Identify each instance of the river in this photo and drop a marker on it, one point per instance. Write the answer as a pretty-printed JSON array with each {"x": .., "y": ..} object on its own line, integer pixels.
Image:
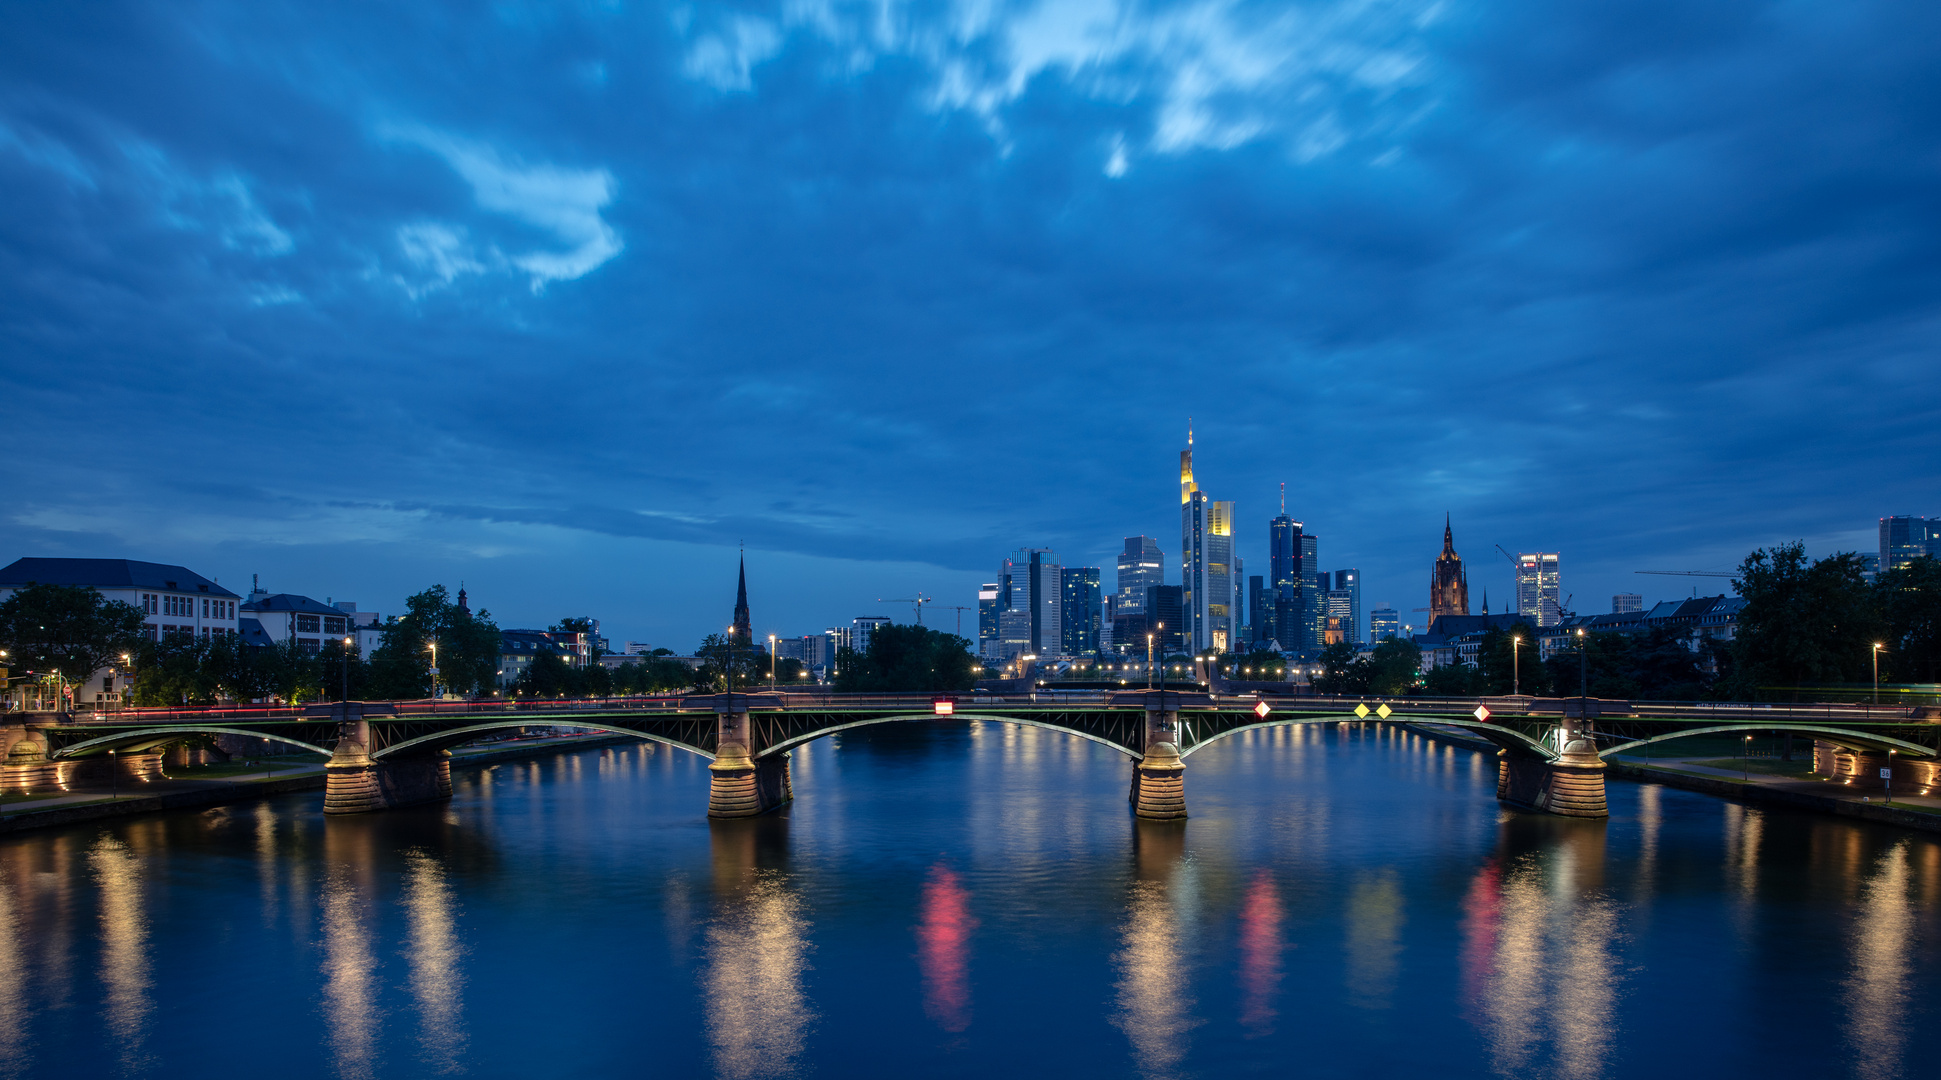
[{"x": 962, "y": 899}]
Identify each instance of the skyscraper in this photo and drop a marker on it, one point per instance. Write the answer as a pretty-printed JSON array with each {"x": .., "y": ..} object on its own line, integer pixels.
[
  {"x": 1206, "y": 562},
  {"x": 1079, "y": 615},
  {"x": 1626, "y": 602},
  {"x": 1904, "y": 539},
  {"x": 1313, "y": 599},
  {"x": 1448, "y": 585},
  {"x": 1536, "y": 587},
  {"x": 861, "y": 627},
  {"x": 1028, "y": 581},
  {"x": 987, "y": 612},
  {"x": 1141, "y": 566},
  {"x": 1260, "y": 606},
  {"x": 1165, "y": 614},
  {"x": 1384, "y": 623},
  {"x": 1348, "y": 582}
]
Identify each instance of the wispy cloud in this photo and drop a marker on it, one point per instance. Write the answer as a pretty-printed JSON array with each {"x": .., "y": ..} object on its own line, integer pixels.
[{"x": 565, "y": 202}]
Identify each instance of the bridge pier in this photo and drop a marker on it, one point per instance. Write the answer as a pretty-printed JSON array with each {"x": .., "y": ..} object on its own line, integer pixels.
[
  {"x": 740, "y": 784},
  {"x": 1570, "y": 786},
  {"x": 355, "y": 784},
  {"x": 1159, "y": 777}
]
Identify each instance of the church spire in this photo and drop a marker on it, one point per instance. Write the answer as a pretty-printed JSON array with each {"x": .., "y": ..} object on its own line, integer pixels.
[{"x": 743, "y": 631}]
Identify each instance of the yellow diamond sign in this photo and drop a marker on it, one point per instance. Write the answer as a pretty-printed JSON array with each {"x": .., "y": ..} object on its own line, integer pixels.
[
  {"x": 1361, "y": 711},
  {"x": 1384, "y": 711}
]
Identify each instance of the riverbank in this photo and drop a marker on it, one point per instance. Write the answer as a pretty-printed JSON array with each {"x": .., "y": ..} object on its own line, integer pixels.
[{"x": 75, "y": 807}]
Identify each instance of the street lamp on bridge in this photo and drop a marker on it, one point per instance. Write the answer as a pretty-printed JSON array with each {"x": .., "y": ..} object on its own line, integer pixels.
[{"x": 1877, "y": 647}]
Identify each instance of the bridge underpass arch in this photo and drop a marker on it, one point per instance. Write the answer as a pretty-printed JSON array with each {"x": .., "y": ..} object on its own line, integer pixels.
[
  {"x": 445, "y": 740},
  {"x": 793, "y": 741},
  {"x": 149, "y": 738},
  {"x": 1505, "y": 738},
  {"x": 1845, "y": 738}
]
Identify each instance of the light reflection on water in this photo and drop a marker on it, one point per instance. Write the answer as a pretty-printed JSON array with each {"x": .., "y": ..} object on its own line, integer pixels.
[{"x": 975, "y": 896}]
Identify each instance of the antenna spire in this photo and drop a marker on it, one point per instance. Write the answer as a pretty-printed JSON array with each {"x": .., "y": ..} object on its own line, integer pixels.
[{"x": 1283, "y": 498}]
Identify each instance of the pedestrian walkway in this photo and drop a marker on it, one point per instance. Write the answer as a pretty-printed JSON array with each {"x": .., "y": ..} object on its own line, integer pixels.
[
  {"x": 148, "y": 789},
  {"x": 1872, "y": 792}
]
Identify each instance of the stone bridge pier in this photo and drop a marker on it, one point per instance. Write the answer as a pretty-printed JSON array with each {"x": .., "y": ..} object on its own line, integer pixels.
[
  {"x": 1572, "y": 785},
  {"x": 356, "y": 784},
  {"x": 1159, "y": 778},
  {"x": 740, "y": 784}
]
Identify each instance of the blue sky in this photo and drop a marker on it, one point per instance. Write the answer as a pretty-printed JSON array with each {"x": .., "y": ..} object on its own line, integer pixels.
[{"x": 563, "y": 301}]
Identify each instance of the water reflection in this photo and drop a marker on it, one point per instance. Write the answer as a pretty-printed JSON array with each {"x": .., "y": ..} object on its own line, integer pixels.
[
  {"x": 350, "y": 965},
  {"x": 758, "y": 1016},
  {"x": 1877, "y": 991},
  {"x": 1155, "y": 1010},
  {"x": 434, "y": 953},
  {"x": 14, "y": 1006},
  {"x": 1260, "y": 955},
  {"x": 943, "y": 950},
  {"x": 1374, "y": 921},
  {"x": 124, "y": 949},
  {"x": 1539, "y": 963}
]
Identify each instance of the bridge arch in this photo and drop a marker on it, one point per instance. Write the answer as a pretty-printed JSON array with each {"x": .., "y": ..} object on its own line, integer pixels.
[
  {"x": 445, "y": 740},
  {"x": 1842, "y": 737},
  {"x": 794, "y": 741},
  {"x": 150, "y": 738},
  {"x": 1506, "y": 738}
]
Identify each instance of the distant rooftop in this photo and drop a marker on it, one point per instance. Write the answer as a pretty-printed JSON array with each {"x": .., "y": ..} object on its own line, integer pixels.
[{"x": 109, "y": 574}]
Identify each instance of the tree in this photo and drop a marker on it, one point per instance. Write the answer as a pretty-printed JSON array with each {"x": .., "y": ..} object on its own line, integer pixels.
[
  {"x": 1503, "y": 672},
  {"x": 1342, "y": 672},
  {"x": 70, "y": 630},
  {"x": 547, "y": 676},
  {"x": 1260, "y": 665},
  {"x": 1910, "y": 607},
  {"x": 1395, "y": 667},
  {"x": 469, "y": 647},
  {"x": 1804, "y": 624},
  {"x": 747, "y": 662},
  {"x": 907, "y": 658},
  {"x": 1453, "y": 680}
]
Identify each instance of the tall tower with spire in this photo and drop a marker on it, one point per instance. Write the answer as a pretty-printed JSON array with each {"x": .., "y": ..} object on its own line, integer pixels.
[
  {"x": 1448, "y": 585},
  {"x": 1206, "y": 562},
  {"x": 744, "y": 634}
]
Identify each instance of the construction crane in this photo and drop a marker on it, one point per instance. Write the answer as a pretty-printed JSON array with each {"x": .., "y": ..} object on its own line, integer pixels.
[
  {"x": 919, "y": 600},
  {"x": 960, "y": 609},
  {"x": 1690, "y": 573}
]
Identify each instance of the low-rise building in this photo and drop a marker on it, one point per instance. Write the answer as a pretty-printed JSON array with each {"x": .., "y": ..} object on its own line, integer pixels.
[{"x": 279, "y": 618}]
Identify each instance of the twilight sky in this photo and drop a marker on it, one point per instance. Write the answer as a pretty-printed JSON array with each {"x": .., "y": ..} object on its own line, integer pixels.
[{"x": 563, "y": 300}]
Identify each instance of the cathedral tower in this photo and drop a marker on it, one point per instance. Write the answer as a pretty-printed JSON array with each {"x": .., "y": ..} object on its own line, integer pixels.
[{"x": 1448, "y": 585}]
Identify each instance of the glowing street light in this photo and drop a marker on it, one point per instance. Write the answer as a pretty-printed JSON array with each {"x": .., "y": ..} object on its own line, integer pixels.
[{"x": 1877, "y": 647}]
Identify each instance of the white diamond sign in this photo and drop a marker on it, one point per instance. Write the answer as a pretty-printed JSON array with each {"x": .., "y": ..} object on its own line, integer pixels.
[
  {"x": 1261, "y": 710},
  {"x": 1482, "y": 713},
  {"x": 1361, "y": 711}
]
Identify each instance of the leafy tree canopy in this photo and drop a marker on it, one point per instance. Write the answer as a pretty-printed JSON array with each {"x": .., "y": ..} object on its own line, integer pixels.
[
  {"x": 71, "y": 630},
  {"x": 907, "y": 659},
  {"x": 468, "y": 648}
]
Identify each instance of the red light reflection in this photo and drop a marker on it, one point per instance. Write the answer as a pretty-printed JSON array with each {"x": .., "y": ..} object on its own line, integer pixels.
[
  {"x": 943, "y": 950},
  {"x": 1260, "y": 955}
]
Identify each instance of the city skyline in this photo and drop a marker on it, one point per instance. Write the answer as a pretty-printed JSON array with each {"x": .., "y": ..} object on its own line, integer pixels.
[{"x": 570, "y": 311}]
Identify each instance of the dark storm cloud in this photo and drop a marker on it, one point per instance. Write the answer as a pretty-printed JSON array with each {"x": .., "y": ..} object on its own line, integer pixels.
[{"x": 1648, "y": 283}]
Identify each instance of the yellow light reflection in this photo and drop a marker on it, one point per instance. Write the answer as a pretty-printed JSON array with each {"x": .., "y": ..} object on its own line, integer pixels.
[
  {"x": 1154, "y": 1010},
  {"x": 1374, "y": 939},
  {"x": 124, "y": 948},
  {"x": 758, "y": 1016},
  {"x": 1877, "y": 991},
  {"x": 350, "y": 990},
  {"x": 434, "y": 953}
]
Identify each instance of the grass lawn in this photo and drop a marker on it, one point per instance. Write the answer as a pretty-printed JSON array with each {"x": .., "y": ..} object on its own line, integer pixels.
[
  {"x": 1801, "y": 767},
  {"x": 233, "y": 769}
]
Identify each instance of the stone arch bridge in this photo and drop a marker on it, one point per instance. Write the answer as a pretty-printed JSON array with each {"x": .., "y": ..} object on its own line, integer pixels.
[{"x": 1549, "y": 755}]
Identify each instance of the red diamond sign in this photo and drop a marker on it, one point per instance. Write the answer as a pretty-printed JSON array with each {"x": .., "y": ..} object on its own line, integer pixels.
[
  {"x": 1261, "y": 710},
  {"x": 1482, "y": 713}
]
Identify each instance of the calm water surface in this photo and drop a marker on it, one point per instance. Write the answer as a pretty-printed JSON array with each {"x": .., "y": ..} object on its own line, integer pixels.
[{"x": 959, "y": 899}]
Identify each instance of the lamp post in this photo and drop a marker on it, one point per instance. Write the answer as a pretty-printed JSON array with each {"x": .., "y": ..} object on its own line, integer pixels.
[
  {"x": 1516, "y": 678},
  {"x": 1877, "y": 647},
  {"x": 1149, "y": 661},
  {"x": 346, "y": 696},
  {"x": 114, "y": 778},
  {"x": 771, "y": 661},
  {"x": 1745, "y": 754},
  {"x": 1889, "y": 778},
  {"x": 434, "y": 667}
]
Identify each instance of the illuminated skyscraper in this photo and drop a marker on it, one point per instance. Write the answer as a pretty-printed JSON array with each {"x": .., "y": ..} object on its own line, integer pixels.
[
  {"x": 1348, "y": 583},
  {"x": 987, "y": 612},
  {"x": 1029, "y": 581},
  {"x": 1384, "y": 623},
  {"x": 1206, "y": 562},
  {"x": 1625, "y": 602},
  {"x": 1536, "y": 587},
  {"x": 1079, "y": 619},
  {"x": 1904, "y": 539},
  {"x": 1141, "y": 566}
]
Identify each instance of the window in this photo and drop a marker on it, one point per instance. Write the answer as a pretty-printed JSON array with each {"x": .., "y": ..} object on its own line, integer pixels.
[
  {"x": 306, "y": 624},
  {"x": 205, "y": 608},
  {"x": 333, "y": 626},
  {"x": 310, "y": 645}
]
